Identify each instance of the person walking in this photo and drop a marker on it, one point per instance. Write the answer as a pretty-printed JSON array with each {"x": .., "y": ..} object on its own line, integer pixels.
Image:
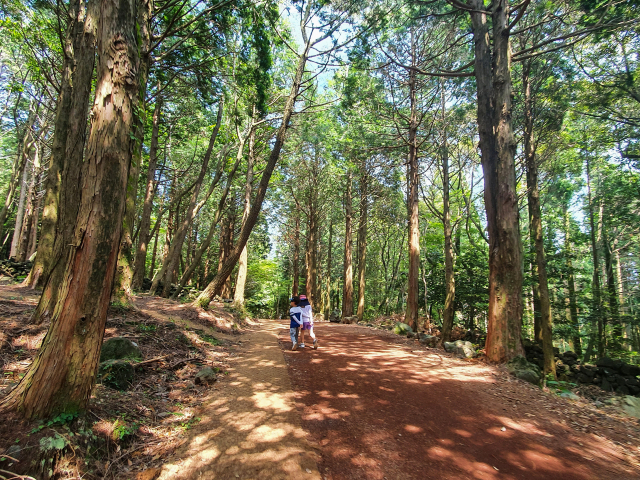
[
  {"x": 295, "y": 314},
  {"x": 307, "y": 321}
]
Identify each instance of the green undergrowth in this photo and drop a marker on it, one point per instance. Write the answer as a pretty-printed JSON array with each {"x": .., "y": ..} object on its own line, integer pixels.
[
  {"x": 560, "y": 387},
  {"x": 61, "y": 419},
  {"x": 208, "y": 338}
]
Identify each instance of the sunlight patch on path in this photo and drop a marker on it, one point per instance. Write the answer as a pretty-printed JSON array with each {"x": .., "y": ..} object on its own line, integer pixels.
[{"x": 250, "y": 429}]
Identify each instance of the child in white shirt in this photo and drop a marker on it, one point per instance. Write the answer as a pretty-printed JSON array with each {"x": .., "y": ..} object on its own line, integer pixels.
[{"x": 307, "y": 321}]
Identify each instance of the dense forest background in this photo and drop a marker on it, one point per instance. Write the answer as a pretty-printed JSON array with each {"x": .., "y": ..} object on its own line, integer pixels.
[{"x": 334, "y": 148}]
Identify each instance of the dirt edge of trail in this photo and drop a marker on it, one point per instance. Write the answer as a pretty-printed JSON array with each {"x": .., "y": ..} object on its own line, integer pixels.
[{"x": 250, "y": 428}]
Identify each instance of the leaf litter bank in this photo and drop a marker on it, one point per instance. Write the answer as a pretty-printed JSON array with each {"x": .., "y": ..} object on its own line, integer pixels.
[{"x": 124, "y": 433}]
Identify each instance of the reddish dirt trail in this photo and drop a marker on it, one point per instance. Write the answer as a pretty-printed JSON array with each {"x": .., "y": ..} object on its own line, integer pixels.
[{"x": 378, "y": 408}]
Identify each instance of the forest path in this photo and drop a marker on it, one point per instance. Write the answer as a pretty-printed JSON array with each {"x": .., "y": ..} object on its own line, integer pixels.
[
  {"x": 381, "y": 407},
  {"x": 250, "y": 429}
]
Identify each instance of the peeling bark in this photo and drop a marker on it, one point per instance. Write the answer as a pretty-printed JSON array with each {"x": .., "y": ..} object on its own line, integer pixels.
[
  {"x": 63, "y": 373},
  {"x": 122, "y": 291},
  {"x": 497, "y": 146},
  {"x": 62, "y": 186}
]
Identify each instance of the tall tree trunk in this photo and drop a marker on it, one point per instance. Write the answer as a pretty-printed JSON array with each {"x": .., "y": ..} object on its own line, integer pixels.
[
  {"x": 306, "y": 264},
  {"x": 612, "y": 301},
  {"x": 319, "y": 295},
  {"x": 225, "y": 291},
  {"x": 571, "y": 284},
  {"x": 534, "y": 306},
  {"x": 25, "y": 231},
  {"x": 535, "y": 228},
  {"x": 37, "y": 199},
  {"x": 19, "y": 167},
  {"x": 226, "y": 244},
  {"x": 205, "y": 297},
  {"x": 327, "y": 310},
  {"x": 62, "y": 186},
  {"x": 155, "y": 250},
  {"x": 493, "y": 82},
  {"x": 312, "y": 251},
  {"x": 450, "y": 282},
  {"x": 295, "y": 287},
  {"x": 411, "y": 315},
  {"x": 25, "y": 191},
  {"x": 449, "y": 279},
  {"x": 204, "y": 272},
  {"x": 29, "y": 228},
  {"x": 362, "y": 241},
  {"x": 193, "y": 232},
  {"x": 596, "y": 337},
  {"x": 619, "y": 282},
  {"x": 347, "y": 288},
  {"x": 70, "y": 187},
  {"x": 150, "y": 190},
  {"x": 222, "y": 248},
  {"x": 31, "y": 209},
  {"x": 74, "y": 39},
  {"x": 238, "y": 295},
  {"x": 314, "y": 284},
  {"x": 529, "y": 147},
  {"x": 174, "y": 205},
  {"x": 63, "y": 373},
  {"x": 425, "y": 297},
  {"x": 625, "y": 326},
  {"x": 175, "y": 249},
  {"x": 122, "y": 291}
]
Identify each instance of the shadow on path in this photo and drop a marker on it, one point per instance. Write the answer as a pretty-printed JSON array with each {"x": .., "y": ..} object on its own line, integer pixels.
[{"x": 379, "y": 410}]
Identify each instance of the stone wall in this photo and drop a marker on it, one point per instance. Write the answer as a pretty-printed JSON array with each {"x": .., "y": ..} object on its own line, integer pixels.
[{"x": 610, "y": 375}]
